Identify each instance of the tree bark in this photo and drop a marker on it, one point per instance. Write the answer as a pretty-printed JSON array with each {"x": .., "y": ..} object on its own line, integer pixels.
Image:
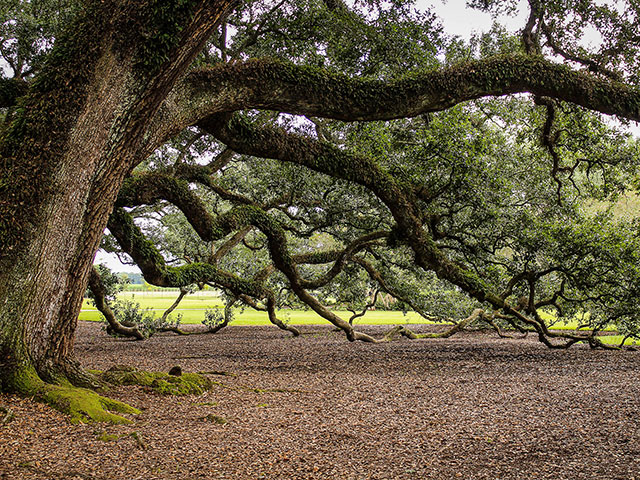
[{"x": 63, "y": 162}]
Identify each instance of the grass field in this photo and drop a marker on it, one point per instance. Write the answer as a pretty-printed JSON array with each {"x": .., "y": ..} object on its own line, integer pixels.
[{"x": 193, "y": 306}]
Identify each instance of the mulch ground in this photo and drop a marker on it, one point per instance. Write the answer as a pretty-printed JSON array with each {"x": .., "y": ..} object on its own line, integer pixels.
[{"x": 318, "y": 407}]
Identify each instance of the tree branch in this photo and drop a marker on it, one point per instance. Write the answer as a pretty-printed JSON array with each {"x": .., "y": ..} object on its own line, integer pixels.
[
  {"x": 97, "y": 288},
  {"x": 276, "y": 85}
]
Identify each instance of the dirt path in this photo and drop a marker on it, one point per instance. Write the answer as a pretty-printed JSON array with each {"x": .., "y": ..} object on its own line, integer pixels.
[{"x": 318, "y": 407}]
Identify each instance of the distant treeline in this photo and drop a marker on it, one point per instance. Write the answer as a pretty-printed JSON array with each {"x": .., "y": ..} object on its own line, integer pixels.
[{"x": 133, "y": 278}]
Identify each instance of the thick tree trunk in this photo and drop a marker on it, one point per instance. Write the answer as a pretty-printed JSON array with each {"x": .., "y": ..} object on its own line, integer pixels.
[
  {"x": 44, "y": 278},
  {"x": 62, "y": 165}
]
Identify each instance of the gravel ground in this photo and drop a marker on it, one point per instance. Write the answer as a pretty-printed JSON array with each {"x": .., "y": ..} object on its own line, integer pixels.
[{"x": 318, "y": 407}]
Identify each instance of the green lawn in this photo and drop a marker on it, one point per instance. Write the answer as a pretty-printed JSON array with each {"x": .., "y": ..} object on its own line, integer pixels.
[{"x": 192, "y": 308}]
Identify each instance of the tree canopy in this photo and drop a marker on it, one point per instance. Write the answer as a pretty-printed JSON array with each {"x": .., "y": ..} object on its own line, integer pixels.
[
  {"x": 313, "y": 152},
  {"x": 421, "y": 183}
]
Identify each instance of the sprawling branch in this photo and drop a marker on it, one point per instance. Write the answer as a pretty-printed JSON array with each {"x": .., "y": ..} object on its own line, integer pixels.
[
  {"x": 157, "y": 272},
  {"x": 326, "y": 158},
  {"x": 98, "y": 290},
  {"x": 400, "y": 199},
  {"x": 458, "y": 327},
  {"x": 275, "y": 85}
]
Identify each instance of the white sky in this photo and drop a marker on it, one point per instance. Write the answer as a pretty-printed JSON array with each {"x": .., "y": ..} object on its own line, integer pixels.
[{"x": 460, "y": 20}]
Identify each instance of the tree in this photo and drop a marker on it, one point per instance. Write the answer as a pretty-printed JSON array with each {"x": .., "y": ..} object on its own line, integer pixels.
[{"x": 104, "y": 85}]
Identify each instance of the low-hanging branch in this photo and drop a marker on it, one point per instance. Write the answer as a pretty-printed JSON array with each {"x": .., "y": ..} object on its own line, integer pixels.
[
  {"x": 275, "y": 143},
  {"x": 209, "y": 228},
  {"x": 477, "y": 314},
  {"x": 99, "y": 296},
  {"x": 157, "y": 272}
]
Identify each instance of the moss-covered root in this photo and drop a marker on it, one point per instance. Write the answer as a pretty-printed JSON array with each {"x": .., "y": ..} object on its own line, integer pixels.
[
  {"x": 81, "y": 404},
  {"x": 86, "y": 406},
  {"x": 159, "y": 382}
]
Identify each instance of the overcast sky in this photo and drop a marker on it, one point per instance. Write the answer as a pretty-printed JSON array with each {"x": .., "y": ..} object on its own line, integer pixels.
[{"x": 460, "y": 20}]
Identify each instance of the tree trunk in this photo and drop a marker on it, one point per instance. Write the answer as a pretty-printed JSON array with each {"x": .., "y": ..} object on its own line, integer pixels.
[{"x": 63, "y": 161}]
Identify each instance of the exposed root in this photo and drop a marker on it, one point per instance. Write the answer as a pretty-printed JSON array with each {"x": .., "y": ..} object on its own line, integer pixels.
[
  {"x": 158, "y": 382},
  {"x": 406, "y": 332},
  {"x": 86, "y": 405},
  {"x": 81, "y": 404}
]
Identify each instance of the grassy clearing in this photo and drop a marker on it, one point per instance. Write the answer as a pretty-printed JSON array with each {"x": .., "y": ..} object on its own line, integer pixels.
[{"x": 193, "y": 306}]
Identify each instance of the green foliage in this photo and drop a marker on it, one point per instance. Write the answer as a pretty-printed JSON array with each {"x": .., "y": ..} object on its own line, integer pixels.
[
  {"x": 215, "y": 318},
  {"x": 27, "y": 32},
  {"x": 113, "y": 284},
  {"x": 130, "y": 314},
  {"x": 376, "y": 41},
  {"x": 501, "y": 190}
]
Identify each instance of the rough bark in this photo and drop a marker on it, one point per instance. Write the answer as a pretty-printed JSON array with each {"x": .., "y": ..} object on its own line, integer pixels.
[{"x": 63, "y": 160}]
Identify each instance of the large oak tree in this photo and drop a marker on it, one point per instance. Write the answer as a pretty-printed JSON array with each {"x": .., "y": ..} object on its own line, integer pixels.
[{"x": 93, "y": 94}]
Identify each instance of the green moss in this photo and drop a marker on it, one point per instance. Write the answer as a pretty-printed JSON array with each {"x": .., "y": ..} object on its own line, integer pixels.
[
  {"x": 25, "y": 381},
  {"x": 81, "y": 404},
  {"x": 85, "y": 405},
  {"x": 185, "y": 384},
  {"x": 106, "y": 437},
  {"x": 159, "y": 382},
  {"x": 217, "y": 419}
]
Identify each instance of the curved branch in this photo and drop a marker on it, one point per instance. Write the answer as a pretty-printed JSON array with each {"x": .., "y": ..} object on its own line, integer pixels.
[
  {"x": 97, "y": 288},
  {"x": 340, "y": 261},
  {"x": 365, "y": 309},
  {"x": 243, "y": 137},
  {"x": 458, "y": 327},
  {"x": 377, "y": 277},
  {"x": 276, "y": 85},
  {"x": 174, "y": 305}
]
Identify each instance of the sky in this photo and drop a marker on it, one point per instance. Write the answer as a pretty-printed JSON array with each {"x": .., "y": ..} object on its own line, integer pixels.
[{"x": 460, "y": 20}]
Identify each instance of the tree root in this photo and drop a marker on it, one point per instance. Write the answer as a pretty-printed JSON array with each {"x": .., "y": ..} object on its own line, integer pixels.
[
  {"x": 86, "y": 406},
  {"x": 158, "y": 382},
  {"x": 458, "y": 327},
  {"x": 81, "y": 404}
]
